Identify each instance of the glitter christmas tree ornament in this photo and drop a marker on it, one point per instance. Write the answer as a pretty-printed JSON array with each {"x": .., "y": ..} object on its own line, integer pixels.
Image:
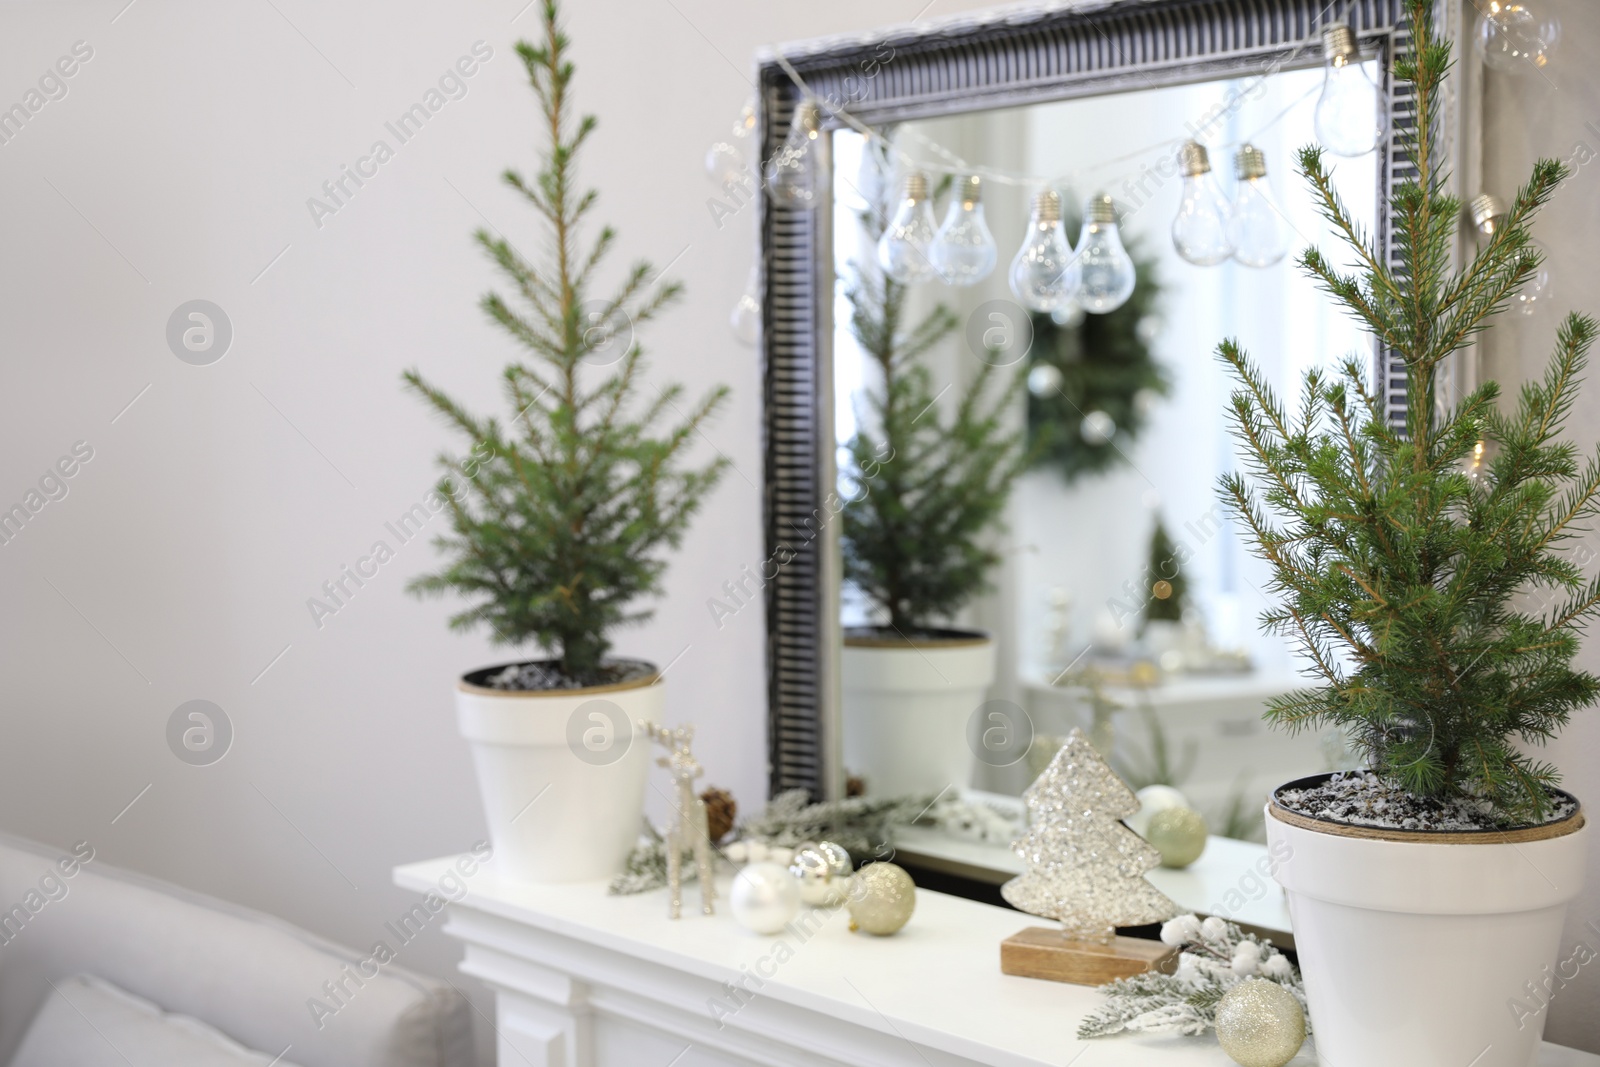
[{"x": 1086, "y": 869}]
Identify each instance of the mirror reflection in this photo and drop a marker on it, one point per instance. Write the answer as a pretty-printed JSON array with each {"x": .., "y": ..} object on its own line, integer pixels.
[{"x": 1027, "y": 412}]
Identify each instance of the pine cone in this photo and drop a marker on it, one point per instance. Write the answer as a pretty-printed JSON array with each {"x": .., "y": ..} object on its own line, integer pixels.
[
  {"x": 855, "y": 786},
  {"x": 720, "y": 812}
]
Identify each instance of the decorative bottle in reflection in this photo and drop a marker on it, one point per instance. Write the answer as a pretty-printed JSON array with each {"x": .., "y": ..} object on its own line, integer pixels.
[
  {"x": 904, "y": 247},
  {"x": 1255, "y": 227},
  {"x": 1350, "y": 119},
  {"x": 1106, "y": 274},
  {"x": 963, "y": 251},
  {"x": 1200, "y": 231},
  {"x": 1044, "y": 273}
]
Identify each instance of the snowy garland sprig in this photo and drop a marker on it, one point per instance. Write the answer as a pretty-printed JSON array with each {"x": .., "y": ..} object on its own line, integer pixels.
[
  {"x": 863, "y": 826},
  {"x": 1215, "y": 956}
]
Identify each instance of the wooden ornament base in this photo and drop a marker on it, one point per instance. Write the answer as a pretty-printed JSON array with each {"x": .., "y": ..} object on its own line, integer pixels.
[{"x": 1040, "y": 952}]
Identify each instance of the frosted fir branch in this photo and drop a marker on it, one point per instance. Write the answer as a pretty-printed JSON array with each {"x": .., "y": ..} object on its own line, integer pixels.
[
  {"x": 1215, "y": 956},
  {"x": 861, "y": 825}
]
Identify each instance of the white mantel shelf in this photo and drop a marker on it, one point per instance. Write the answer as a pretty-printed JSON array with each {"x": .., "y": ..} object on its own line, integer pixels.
[{"x": 583, "y": 979}]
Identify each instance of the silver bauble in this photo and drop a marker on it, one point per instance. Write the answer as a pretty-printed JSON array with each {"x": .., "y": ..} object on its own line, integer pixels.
[
  {"x": 823, "y": 871},
  {"x": 1044, "y": 379},
  {"x": 1260, "y": 1024},
  {"x": 882, "y": 898},
  {"x": 764, "y": 897},
  {"x": 1097, "y": 428}
]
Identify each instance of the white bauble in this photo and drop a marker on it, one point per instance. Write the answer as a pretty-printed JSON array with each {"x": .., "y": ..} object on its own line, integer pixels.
[
  {"x": 764, "y": 897},
  {"x": 1154, "y": 798}
]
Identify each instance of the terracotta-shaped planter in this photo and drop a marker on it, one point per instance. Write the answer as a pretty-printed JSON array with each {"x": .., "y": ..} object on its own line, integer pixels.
[{"x": 1426, "y": 949}]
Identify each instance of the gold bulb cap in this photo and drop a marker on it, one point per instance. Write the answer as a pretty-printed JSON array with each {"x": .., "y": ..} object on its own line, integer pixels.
[
  {"x": 1101, "y": 210},
  {"x": 970, "y": 189},
  {"x": 1487, "y": 212},
  {"x": 1249, "y": 163},
  {"x": 916, "y": 186},
  {"x": 1339, "y": 43},
  {"x": 1193, "y": 159},
  {"x": 1047, "y": 207}
]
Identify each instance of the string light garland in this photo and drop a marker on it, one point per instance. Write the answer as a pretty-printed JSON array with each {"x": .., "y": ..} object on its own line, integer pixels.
[{"x": 1049, "y": 274}]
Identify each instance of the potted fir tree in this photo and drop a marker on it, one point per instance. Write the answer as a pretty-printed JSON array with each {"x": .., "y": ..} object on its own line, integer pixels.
[
  {"x": 924, "y": 488},
  {"x": 558, "y": 517},
  {"x": 1418, "y": 569}
]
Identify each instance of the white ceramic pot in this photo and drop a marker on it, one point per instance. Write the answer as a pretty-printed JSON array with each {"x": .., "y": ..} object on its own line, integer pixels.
[
  {"x": 1427, "y": 950},
  {"x": 561, "y": 773},
  {"x": 906, "y": 711}
]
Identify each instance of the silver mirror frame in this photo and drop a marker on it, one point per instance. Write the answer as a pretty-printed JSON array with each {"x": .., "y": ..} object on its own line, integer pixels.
[{"x": 1006, "y": 58}]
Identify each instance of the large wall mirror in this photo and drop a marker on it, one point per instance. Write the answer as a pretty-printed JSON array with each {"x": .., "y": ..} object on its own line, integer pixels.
[{"x": 914, "y": 394}]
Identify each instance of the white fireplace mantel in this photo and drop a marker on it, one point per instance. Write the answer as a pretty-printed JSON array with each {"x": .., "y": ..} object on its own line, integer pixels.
[{"x": 583, "y": 979}]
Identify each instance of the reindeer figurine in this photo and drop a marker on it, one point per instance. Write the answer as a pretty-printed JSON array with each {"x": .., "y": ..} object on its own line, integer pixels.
[{"x": 689, "y": 826}]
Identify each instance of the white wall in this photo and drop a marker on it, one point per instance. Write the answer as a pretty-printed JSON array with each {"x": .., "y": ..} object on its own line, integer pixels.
[
  {"x": 178, "y": 566},
  {"x": 1557, "y": 114}
]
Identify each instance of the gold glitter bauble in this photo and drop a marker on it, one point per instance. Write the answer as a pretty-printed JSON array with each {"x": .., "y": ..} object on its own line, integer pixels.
[
  {"x": 1260, "y": 1024},
  {"x": 881, "y": 899},
  {"x": 1178, "y": 834}
]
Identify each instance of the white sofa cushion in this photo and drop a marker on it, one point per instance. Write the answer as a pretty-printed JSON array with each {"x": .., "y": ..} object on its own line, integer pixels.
[
  {"x": 87, "y": 1022},
  {"x": 252, "y": 976}
]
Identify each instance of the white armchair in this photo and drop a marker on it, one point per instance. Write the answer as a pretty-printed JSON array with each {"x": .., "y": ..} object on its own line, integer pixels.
[{"x": 84, "y": 946}]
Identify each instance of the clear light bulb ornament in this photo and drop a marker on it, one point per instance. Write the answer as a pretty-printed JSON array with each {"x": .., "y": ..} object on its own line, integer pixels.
[
  {"x": 963, "y": 251},
  {"x": 1200, "y": 231},
  {"x": 1513, "y": 36},
  {"x": 746, "y": 317},
  {"x": 1044, "y": 274},
  {"x": 1488, "y": 215},
  {"x": 1349, "y": 120},
  {"x": 1106, "y": 274},
  {"x": 794, "y": 174},
  {"x": 1255, "y": 228},
  {"x": 903, "y": 248},
  {"x": 727, "y": 161}
]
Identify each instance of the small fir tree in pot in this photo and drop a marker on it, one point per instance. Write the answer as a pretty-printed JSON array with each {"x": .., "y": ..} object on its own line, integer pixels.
[
  {"x": 924, "y": 488},
  {"x": 1398, "y": 568},
  {"x": 558, "y": 521},
  {"x": 1439, "y": 617}
]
